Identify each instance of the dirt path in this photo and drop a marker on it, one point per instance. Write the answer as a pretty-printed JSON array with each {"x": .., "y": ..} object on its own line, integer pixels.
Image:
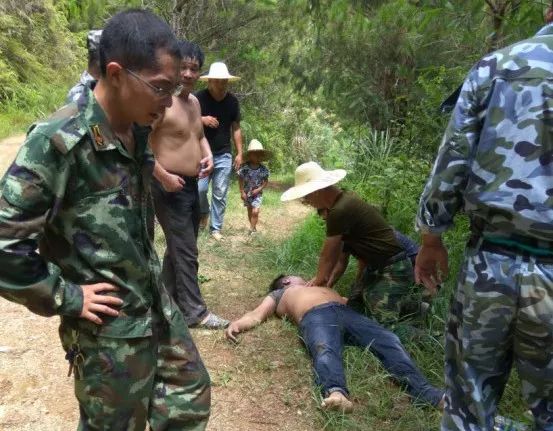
[
  {"x": 264, "y": 383},
  {"x": 8, "y": 149}
]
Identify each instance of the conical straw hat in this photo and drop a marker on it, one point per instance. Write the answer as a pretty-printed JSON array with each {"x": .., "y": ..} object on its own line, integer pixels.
[{"x": 310, "y": 177}]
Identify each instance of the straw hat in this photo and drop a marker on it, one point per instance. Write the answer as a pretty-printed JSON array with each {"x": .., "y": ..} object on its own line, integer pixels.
[
  {"x": 218, "y": 70},
  {"x": 257, "y": 147},
  {"x": 310, "y": 177}
]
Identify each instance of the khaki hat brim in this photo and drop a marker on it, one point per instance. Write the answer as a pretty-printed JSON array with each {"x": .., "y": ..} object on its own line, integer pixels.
[{"x": 297, "y": 192}]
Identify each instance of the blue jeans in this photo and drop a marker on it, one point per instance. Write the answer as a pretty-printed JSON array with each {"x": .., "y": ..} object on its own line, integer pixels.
[
  {"x": 325, "y": 330},
  {"x": 222, "y": 167}
]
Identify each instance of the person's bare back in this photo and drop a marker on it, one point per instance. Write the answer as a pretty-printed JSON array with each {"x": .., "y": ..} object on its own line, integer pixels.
[
  {"x": 299, "y": 299},
  {"x": 176, "y": 138}
]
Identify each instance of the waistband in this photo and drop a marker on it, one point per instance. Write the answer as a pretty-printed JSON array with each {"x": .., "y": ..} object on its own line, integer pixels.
[
  {"x": 186, "y": 178},
  {"x": 322, "y": 307}
]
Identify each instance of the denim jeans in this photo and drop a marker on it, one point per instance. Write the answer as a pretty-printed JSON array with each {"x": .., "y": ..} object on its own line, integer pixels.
[
  {"x": 325, "y": 330},
  {"x": 222, "y": 167}
]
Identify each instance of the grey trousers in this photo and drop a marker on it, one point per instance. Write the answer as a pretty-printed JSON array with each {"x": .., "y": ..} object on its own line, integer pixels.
[{"x": 179, "y": 215}]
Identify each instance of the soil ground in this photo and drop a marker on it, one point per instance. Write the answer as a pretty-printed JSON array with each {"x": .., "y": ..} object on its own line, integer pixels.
[{"x": 263, "y": 383}]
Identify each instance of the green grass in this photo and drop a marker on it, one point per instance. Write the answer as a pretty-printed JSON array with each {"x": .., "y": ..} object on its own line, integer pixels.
[{"x": 34, "y": 102}]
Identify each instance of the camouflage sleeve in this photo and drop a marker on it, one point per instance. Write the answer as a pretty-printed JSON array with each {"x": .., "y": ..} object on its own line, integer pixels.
[
  {"x": 74, "y": 93},
  {"x": 443, "y": 194},
  {"x": 31, "y": 192}
]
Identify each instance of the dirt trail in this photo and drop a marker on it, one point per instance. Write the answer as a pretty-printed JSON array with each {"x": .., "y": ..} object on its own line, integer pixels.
[
  {"x": 8, "y": 149},
  {"x": 262, "y": 384}
]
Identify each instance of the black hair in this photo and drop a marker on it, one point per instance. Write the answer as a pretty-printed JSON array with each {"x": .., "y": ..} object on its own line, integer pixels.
[
  {"x": 191, "y": 50},
  {"x": 133, "y": 37},
  {"x": 277, "y": 283}
]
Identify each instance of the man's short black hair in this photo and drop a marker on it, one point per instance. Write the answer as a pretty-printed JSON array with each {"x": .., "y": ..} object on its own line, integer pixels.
[
  {"x": 191, "y": 50},
  {"x": 277, "y": 283},
  {"x": 133, "y": 37}
]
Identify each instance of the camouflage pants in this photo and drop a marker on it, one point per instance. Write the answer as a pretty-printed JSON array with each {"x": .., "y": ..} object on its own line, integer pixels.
[
  {"x": 390, "y": 293},
  {"x": 502, "y": 313},
  {"x": 121, "y": 384}
]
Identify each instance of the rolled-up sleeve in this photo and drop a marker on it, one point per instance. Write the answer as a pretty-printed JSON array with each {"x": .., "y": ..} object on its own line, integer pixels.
[{"x": 31, "y": 191}]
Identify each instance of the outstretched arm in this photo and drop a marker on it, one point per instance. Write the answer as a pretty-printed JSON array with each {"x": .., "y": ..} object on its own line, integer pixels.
[
  {"x": 339, "y": 269},
  {"x": 443, "y": 195},
  {"x": 252, "y": 318},
  {"x": 330, "y": 254}
]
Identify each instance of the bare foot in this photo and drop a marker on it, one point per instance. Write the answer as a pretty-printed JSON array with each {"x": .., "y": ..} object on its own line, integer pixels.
[{"x": 337, "y": 401}]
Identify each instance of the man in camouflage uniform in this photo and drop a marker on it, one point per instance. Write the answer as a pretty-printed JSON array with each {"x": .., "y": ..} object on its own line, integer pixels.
[
  {"x": 80, "y": 190},
  {"x": 89, "y": 77},
  {"x": 495, "y": 164}
]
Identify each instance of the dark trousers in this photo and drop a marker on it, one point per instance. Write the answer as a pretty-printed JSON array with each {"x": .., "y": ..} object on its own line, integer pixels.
[
  {"x": 325, "y": 330},
  {"x": 179, "y": 216}
]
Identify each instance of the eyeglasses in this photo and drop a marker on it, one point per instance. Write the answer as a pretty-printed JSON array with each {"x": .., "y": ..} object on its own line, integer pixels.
[{"x": 158, "y": 91}]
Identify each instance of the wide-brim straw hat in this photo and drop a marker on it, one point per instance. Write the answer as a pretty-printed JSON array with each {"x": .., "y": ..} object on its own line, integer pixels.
[
  {"x": 257, "y": 147},
  {"x": 310, "y": 177},
  {"x": 218, "y": 70}
]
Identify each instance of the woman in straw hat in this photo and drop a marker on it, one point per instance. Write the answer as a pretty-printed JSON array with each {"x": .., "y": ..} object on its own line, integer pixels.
[{"x": 253, "y": 176}]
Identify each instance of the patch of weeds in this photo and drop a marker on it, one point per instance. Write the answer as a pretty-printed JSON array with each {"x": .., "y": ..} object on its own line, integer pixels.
[
  {"x": 203, "y": 278},
  {"x": 221, "y": 378}
]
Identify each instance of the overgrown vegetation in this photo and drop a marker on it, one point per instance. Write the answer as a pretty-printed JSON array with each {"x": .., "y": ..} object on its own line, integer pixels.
[{"x": 348, "y": 83}]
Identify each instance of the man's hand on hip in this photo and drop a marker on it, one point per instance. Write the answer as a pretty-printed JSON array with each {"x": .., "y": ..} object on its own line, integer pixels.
[
  {"x": 172, "y": 183},
  {"x": 95, "y": 302},
  {"x": 206, "y": 166}
]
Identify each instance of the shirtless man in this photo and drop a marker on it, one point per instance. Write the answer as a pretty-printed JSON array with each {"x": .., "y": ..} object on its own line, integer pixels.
[
  {"x": 182, "y": 155},
  {"x": 325, "y": 324}
]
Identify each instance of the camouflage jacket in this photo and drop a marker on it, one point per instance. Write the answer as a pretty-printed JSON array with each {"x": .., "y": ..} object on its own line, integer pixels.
[
  {"x": 76, "y": 193},
  {"x": 85, "y": 81},
  {"x": 495, "y": 160}
]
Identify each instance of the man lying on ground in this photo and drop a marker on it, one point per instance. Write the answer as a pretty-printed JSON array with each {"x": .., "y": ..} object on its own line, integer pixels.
[{"x": 326, "y": 324}]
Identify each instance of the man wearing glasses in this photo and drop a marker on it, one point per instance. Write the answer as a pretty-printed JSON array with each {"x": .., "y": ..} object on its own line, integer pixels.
[
  {"x": 182, "y": 156},
  {"x": 79, "y": 190}
]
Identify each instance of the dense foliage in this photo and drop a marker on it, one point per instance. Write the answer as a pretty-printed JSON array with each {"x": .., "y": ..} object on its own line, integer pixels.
[{"x": 348, "y": 83}]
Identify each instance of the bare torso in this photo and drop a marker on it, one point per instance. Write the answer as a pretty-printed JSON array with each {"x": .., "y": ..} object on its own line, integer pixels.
[
  {"x": 298, "y": 300},
  {"x": 175, "y": 140}
]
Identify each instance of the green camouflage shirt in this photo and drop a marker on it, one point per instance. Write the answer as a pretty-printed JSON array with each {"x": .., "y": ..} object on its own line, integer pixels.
[
  {"x": 495, "y": 160},
  {"x": 76, "y": 193}
]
